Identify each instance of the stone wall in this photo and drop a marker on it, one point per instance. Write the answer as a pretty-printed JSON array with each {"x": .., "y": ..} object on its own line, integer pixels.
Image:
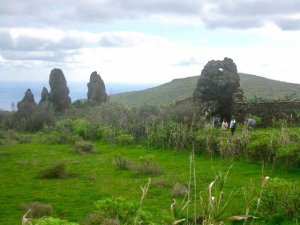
[{"x": 268, "y": 111}]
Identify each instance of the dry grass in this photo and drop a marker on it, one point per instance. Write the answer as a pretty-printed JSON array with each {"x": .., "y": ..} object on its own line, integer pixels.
[
  {"x": 179, "y": 190},
  {"x": 37, "y": 209}
]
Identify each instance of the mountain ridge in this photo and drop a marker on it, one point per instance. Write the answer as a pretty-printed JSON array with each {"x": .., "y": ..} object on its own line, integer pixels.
[{"x": 254, "y": 87}]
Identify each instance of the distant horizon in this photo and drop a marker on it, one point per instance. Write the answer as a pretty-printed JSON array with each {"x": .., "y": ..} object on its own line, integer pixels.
[{"x": 14, "y": 91}]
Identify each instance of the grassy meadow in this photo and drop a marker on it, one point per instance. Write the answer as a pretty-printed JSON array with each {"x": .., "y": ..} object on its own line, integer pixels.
[{"x": 95, "y": 176}]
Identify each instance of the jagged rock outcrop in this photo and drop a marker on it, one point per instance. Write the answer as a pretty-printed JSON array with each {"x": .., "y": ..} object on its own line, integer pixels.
[
  {"x": 218, "y": 86},
  {"x": 45, "y": 96},
  {"x": 27, "y": 105},
  {"x": 96, "y": 90},
  {"x": 59, "y": 93}
]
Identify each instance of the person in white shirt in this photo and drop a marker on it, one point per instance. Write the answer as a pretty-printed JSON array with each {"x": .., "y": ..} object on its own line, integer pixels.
[{"x": 232, "y": 125}]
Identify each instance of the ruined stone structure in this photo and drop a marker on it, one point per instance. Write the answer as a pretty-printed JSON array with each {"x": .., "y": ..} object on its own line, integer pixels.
[
  {"x": 268, "y": 111},
  {"x": 218, "y": 87}
]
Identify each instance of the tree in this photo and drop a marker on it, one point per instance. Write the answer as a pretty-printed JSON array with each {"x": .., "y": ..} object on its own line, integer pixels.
[
  {"x": 96, "y": 90},
  {"x": 218, "y": 86},
  {"x": 59, "y": 93}
]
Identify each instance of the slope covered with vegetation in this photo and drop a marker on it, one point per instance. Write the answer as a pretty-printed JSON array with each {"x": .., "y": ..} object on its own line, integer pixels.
[{"x": 253, "y": 86}]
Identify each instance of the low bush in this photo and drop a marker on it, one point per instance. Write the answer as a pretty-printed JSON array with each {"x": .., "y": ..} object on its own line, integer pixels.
[
  {"x": 83, "y": 147},
  {"x": 122, "y": 162},
  {"x": 92, "y": 219},
  {"x": 280, "y": 199},
  {"x": 58, "y": 170},
  {"x": 37, "y": 209},
  {"x": 147, "y": 166}
]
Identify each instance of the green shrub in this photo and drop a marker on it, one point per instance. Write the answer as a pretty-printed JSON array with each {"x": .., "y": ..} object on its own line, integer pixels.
[
  {"x": 280, "y": 199},
  {"x": 109, "y": 134},
  {"x": 65, "y": 126},
  {"x": 83, "y": 147},
  {"x": 37, "y": 209},
  {"x": 58, "y": 170},
  {"x": 288, "y": 155},
  {"x": 52, "y": 221},
  {"x": 125, "y": 139},
  {"x": 262, "y": 148},
  {"x": 124, "y": 210},
  {"x": 85, "y": 129},
  {"x": 207, "y": 140}
]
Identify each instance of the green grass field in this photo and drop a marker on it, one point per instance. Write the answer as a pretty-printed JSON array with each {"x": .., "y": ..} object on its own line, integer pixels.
[{"x": 95, "y": 177}]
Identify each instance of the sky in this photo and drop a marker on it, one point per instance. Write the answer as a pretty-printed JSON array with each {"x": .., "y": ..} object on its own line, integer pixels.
[{"x": 148, "y": 41}]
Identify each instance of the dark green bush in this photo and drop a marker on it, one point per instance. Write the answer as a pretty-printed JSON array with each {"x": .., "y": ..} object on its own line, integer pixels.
[
  {"x": 280, "y": 199},
  {"x": 58, "y": 170},
  {"x": 83, "y": 147}
]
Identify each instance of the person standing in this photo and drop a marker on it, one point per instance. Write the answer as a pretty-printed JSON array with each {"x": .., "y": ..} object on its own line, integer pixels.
[
  {"x": 224, "y": 124},
  {"x": 250, "y": 123},
  {"x": 232, "y": 125}
]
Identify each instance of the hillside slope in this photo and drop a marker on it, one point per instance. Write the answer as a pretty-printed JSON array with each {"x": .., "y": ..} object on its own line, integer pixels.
[{"x": 180, "y": 89}]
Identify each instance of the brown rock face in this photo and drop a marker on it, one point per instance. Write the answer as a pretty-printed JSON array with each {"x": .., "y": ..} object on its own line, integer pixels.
[
  {"x": 217, "y": 86},
  {"x": 96, "y": 89}
]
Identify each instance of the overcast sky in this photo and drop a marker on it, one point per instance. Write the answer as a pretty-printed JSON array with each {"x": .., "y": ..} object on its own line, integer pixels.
[{"x": 147, "y": 41}]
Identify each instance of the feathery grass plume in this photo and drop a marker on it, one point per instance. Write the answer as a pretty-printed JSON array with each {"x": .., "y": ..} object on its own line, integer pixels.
[
  {"x": 26, "y": 220},
  {"x": 214, "y": 207},
  {"x": 144, "y": 193}
]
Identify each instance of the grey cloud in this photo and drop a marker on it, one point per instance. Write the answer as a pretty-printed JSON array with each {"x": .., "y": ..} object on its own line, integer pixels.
[
  {"x": 239, "y": 14},
  {"x": 53, "y": 56},
  {"x": 30, "y": 43},
  {"x": 289, "y": 24},
  {"x": 249, "y": 13}
]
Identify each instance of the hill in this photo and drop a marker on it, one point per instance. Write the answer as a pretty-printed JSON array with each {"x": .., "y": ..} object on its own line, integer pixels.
[{"x": 179, "y": 89}]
